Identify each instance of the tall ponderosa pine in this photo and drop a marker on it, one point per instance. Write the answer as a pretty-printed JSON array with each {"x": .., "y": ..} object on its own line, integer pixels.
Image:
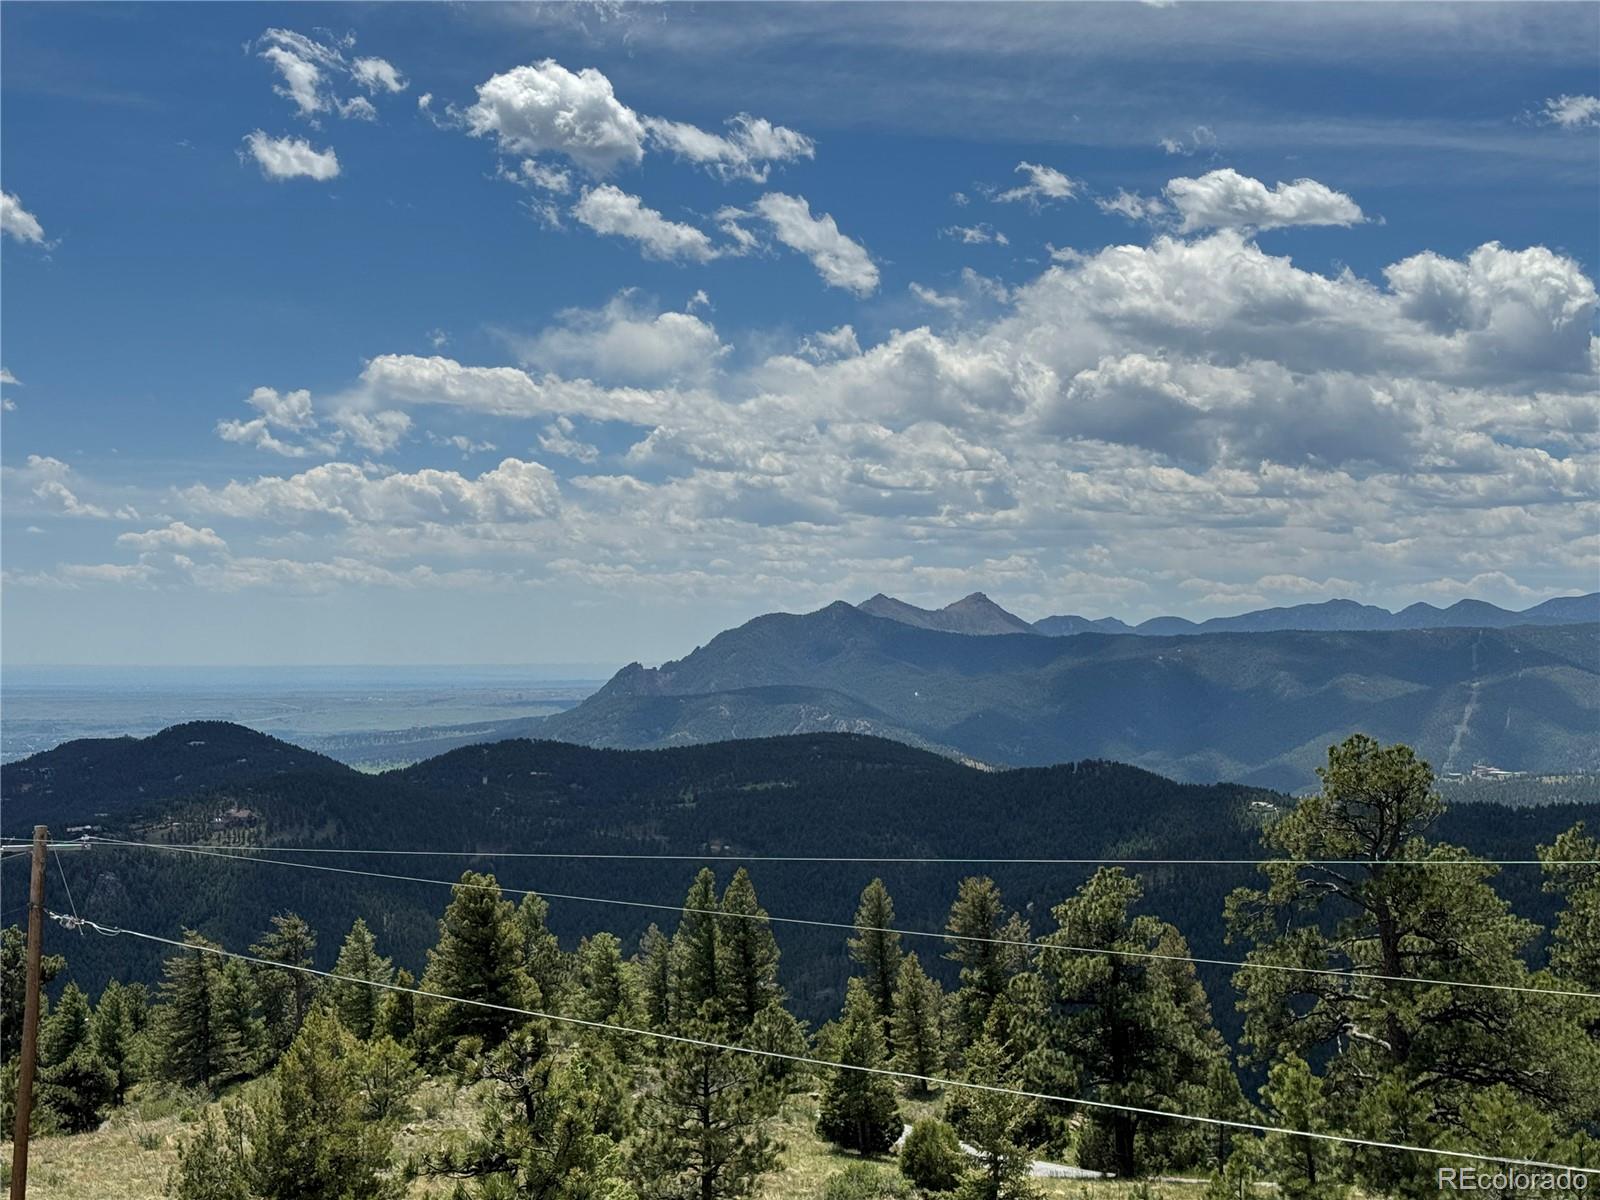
[
  {"x": 859, "y": 1109},
  {"x": 1401, "y": 1057},
  {"x": 704, "y": 1126},
  {"x": 238, "y": 1013},
  {"x": 478, "y": 957},
  {"x": 978, "y": 941},
  {"x": 1131, "y": 1030},
  {"x": 918, "y": 1023},
  {"x": 536, "y": 1136},
  {"x": 1572, "y": 871},
  {"x": 697, "y": 950},
  {"x": 357, "y": 1004},
  {"x": 747, "y": 960},
  {"x": 196, "y": 1046},
  {"x": 654, "y": 961},
  {"x": 286, "y": 994},
  {"x": 876, "y": 947},
  {"x": 606, "y": 992},
  {"x": 546, "y": 963}
]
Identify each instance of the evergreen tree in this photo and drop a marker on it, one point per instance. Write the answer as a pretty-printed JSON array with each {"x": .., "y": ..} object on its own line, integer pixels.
[
  {"x": 397, "y": 1011},
  {"x": 478, "y": 957},
  {"x": 776, "y": 1030},
  {"x": 976, "y": 939},
  {"x": 386, "y": 1075},
  {"x": 704, "y": 1125},
  {"x": 13, "y": 973},
  {"x": 358, "y": 1004},
  {"x": 1131, "y": 1030},
  {"x": 1303, "y": 1168},
  {"x": 606, "y": 992},
  {"x": 918, "y": 1023},
  {"x": 119, "y": 1019},
  {"x": 747, "y": 960},
  {"x": 241, "y": 1028},
  {"x": 1405, "y": 1061},
  {"x": 931, "y": 1156},
  {"x": 697, "y": 949},
  {"x": 655, "y": 971},
  {"x": 876, "y": 948},
  {"x": 1572, "y": 871},
  {"x": 542, "y": 957},
  {"x": 75, "y": 1084},
  {"x": 213, "y": 1164},
  {"x": 195, "y": 1047},
  {"x": 859, "y": 1109},
  {"x": 286, "y": 994},
  {"x": 536, "y": 1137},
  {"x": 66, "y": 1028},
  {"x": 993, "y": 1122},
  {"x": 311, "y": 1138}
]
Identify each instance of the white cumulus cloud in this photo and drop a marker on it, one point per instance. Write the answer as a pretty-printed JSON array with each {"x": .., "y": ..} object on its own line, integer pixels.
[
  {"x": 841, "y": 262},
  {"x": 1225, "y": 199},
  {"x": 292, "y": 158},
  {"x": 17, "y": 222},
  {"x": 1044, "y": 185},
  {"x": 607, "y": 209}
]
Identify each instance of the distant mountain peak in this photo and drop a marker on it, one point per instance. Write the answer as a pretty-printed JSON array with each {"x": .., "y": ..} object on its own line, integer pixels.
[{"x": 972, "y": 614}]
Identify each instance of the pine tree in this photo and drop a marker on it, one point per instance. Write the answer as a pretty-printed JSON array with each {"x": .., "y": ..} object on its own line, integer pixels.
[
  {"x": 397, "y": 1010},
  {"x": 119, "y": 1018},
  {"x": 213, "y": 1164},
  {"x": 704, "y": 1125},
  {"x": 478, "y": 957},
  {"x": 993, "y": 1122},
  {"x": 859, "y": 1109},
  {"x": 66, "y": 1028},
  {"x": 1132, "y": 1030},
  {"x": 194, "y": 1045},
  {"x": 876, "y": 948},
  {"x": 311, "y": 1138},
  {"x": 976, "y": 937},
  {"x": 75, "y": 1084},
  {"x": 1402, "y": 1058},
  {"x": 537, "y": 1136},
  {"x": 542, "y": 957},
  {"x": 1572, "y": 871},
  {"x": 655, "y": 970},
  {"x": 13, "y": 971},
  {"x": 747, "y": 960},
  {"x": 697, "y": 950},
  {"x": 286, "y": 994},
  {"x": 917, "y": 1024},
  {"x": 606, "y": 992},
  {"x": 1303, "y": 1168},
  {"x": 776, "y": 1030},
  {"x": 358, "y": 1004},
  {"x": 241, "y": 1028}
]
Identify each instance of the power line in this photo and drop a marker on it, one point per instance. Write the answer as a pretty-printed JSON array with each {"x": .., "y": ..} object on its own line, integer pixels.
[
  {"x": 806, "y": 1060},
  {"x": 735, "y": 856},
  {"x": 853, "y": 928}
]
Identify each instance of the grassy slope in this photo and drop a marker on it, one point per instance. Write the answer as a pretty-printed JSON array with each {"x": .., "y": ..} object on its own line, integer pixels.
[{"x": 130, "y": 1156}]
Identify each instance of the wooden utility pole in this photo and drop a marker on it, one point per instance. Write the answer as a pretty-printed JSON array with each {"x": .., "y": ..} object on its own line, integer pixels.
[{"x": 30, "y": 1019}]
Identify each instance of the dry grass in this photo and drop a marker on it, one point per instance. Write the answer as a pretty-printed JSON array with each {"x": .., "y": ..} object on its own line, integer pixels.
[{"x": 131, "y": 1155}]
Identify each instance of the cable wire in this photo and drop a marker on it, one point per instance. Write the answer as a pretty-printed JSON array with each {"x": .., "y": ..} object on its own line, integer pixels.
[
  {"x": 854, "y": 928},
  {"x": 807, "y": 1060}
]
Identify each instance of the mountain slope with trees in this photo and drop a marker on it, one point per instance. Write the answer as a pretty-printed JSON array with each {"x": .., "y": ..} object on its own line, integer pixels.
[{"x": 1259, "y": 708}]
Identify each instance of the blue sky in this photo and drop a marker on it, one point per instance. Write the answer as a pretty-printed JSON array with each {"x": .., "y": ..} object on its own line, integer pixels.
[{"x": 648, "y": 319}]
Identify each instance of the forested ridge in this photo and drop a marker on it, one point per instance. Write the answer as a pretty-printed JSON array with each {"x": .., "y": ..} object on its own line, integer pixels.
[{"x": 1390, "y": 997}]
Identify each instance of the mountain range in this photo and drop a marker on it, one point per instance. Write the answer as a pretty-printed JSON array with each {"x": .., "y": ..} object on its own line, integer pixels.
[
  {"x": 1258, "y": 708},
  {"x": 977, "y": 614}
]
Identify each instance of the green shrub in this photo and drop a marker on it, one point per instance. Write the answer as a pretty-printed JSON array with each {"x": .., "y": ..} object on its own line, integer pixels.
[
  {"x": 931, "y": 1156},
  {"x": 864, "y": 1181}
]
